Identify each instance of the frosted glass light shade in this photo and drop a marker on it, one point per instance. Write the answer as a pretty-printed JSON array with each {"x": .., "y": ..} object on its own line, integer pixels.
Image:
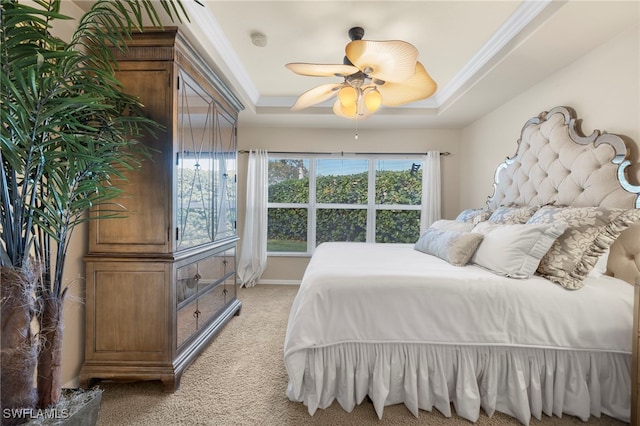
[
  {"x": 348, "y": 96},
  {"x": 345, "y": 111},
  {"x": 372, "y": 100},
  {"x": 357, "y": 112}
]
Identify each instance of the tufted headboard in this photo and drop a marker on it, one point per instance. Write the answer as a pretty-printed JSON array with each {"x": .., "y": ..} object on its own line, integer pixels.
[{"x": 556, "y": 165}]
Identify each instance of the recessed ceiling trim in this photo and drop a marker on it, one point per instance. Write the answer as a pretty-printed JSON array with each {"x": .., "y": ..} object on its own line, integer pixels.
[
  {"x": 287, "y": 101},
  {"x": 524, "y": 14}
]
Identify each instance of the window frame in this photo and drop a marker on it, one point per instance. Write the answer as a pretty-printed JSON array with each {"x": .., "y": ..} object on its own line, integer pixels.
[{"x": 371, "y": 207}]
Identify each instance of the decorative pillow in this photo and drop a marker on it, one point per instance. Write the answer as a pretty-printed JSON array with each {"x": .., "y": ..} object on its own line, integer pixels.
[
  {"x": 514, "y": 250},
  {"x": 601, "y": 265},
  {"x": 473, "y": 215},
  {"x": 453, "y": 246},
  {"x": 452, "y": 225},
  {"x": 512, "y": 215},
  {"x": 590, "y": 231}
]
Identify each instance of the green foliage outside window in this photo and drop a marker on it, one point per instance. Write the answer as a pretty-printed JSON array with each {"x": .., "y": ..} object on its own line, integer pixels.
[
  {"x": 341, "y": 225},
  {"x": 399, "y": 187},
  {"x": 397, "y": 226},
  {"x": 287, "y": 229},
  {"x": 392, "y": 188}
]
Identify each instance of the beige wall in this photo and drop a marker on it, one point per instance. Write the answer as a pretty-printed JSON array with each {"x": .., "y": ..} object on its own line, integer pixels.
[
  {"x": 290, "y": 269},
  {"x": 73, "y": 343},
  {"x": 603, "y": 87}
]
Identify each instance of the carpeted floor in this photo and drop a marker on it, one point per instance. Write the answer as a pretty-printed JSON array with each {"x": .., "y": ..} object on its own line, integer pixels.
[{"x": 240, "y": 379}]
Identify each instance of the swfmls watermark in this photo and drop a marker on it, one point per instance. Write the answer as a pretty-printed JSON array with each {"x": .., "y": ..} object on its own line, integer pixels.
[{"x": 35, "y": 413}]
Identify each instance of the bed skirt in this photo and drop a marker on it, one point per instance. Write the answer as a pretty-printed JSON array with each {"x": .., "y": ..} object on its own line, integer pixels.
[{"x": 518, "y": 381}]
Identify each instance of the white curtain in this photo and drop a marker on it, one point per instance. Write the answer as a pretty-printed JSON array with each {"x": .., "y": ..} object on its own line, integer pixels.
[
  {"x": 253, "y": 255},
  {"x": 431, "y": 191}
]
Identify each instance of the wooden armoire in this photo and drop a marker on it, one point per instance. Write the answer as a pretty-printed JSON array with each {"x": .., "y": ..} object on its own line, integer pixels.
[{"x": 161, "y": 282}]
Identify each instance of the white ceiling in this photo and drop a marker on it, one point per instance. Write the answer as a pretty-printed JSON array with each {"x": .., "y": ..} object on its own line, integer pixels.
[{"x": 481, "y": 53}]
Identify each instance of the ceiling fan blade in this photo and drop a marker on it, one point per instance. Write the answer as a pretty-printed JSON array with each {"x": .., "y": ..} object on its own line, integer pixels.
[
  {"x": 322, "y": 70},
  {"x": 392, "y": 60},
  {"x": 418, "y": 87},
  {"x": 316, "y": 95}
]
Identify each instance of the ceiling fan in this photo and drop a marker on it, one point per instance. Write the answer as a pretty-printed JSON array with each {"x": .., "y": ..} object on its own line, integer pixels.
[{"x": 375, "y": 73}]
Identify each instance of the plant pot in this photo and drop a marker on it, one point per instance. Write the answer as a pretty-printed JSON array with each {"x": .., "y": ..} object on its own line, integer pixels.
[{"x": 77, "y": 407}]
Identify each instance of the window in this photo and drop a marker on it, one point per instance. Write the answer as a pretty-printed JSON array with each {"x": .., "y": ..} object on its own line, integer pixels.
[{"x": 318, "y": 199}]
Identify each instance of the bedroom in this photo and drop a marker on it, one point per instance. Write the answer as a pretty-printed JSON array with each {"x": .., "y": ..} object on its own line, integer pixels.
[{"x": 599, "y": 80}]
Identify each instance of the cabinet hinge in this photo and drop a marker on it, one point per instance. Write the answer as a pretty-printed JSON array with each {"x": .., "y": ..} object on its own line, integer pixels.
[
  {"x": 177, "y": 83},
  {"x": 177, "y": 233}
]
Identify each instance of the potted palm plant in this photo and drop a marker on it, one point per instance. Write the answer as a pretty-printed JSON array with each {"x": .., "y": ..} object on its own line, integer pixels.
[{"x": 67, "y": 133}]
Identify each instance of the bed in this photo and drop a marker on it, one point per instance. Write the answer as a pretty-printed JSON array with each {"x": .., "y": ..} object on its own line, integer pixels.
[{"x": 529, "y": 332}]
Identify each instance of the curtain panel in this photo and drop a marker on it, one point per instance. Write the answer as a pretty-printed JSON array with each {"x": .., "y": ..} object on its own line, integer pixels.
[{"x": 253, "y": 253}]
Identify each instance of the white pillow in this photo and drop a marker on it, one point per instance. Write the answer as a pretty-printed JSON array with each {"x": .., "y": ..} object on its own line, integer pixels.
[
  {"x": 452, "y": 225},
  {"x": 601, "y": 265},
  {"x": 514, "y": 250}
]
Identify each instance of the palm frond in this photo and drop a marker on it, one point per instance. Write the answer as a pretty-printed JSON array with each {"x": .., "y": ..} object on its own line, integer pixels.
[{"x": 67, "y": 130}]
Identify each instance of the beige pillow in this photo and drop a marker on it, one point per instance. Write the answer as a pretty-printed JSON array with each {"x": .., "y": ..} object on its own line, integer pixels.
[
  {"x": 514, "y": 250},
  {"x": 452, "y": 225},
  {"x": 455, "y": 247},
  {"x": 473, "y": 216},
  {"x": 590, "y": 231},
  {"x": 512, "y": 215}
]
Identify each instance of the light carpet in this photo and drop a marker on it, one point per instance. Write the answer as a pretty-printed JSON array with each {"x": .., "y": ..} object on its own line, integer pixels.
[{"x": 240, "y": 379}]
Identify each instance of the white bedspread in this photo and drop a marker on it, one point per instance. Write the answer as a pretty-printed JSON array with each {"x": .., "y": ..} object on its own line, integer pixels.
[{"x": 359, "y": 304}]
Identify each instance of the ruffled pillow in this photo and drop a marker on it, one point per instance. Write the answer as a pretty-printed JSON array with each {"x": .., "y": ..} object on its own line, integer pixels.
[
  {"x": 600, "y": 267},
  {"x": 590, "y": 231}
]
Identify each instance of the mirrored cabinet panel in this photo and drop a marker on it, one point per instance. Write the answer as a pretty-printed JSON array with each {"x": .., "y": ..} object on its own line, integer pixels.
[
  {"x": 225, "y": 182},
  {"x": 195, "y": 203}
]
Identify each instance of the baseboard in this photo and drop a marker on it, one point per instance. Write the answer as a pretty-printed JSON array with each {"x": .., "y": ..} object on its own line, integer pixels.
[{"x": 279, "y": 282}]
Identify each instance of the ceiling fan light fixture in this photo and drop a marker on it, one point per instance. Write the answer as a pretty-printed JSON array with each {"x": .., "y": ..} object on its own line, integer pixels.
[
  {"x": 375, "y": 73},
  {"x": 350, "y": 111},
  {"x": 348, "y": 96},
  {"x": 372, "y": 99}
]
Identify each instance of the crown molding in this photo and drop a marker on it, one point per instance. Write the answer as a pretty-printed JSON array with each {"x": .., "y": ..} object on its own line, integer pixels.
[{"x": 215, "y": 43}]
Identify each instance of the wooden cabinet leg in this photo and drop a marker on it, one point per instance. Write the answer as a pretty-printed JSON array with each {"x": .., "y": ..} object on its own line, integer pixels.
[{"x": 170, "y": 384}]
